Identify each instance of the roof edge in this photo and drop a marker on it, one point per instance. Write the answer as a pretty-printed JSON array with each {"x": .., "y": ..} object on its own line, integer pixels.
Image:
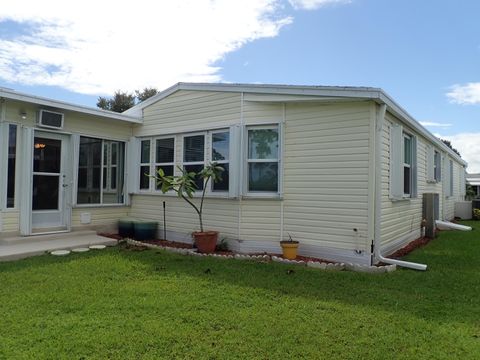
[
  {"x": 18, "y": 96},
  {"x": 353, "y": 92}
]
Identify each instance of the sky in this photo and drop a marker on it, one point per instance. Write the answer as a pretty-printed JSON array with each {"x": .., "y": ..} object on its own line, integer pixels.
[{"x": 425, "y": 54}]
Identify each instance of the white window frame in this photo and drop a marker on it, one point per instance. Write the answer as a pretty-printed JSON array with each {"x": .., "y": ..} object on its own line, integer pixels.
[
  {"x": 437, "y": 166},
  {"x": 102, "y": 165},
  {"x": 108, "y": 166},
  {"x": 247, "y": 161},
  {"x": 205, "y": 152},
  {"x": 152, "y": 163},
  {"x": 406, "y": 165},
  {"x": 156, "y": 164},
  {"x": 219, "y": 162},
  {"x": 145, "y": 164}
]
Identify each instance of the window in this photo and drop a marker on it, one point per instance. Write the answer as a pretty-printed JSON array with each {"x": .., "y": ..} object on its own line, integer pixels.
[
  {"x": 165, "y": 156},
  {"x": 100, "y": 162},
  {"x": 110, "y": 165},
  {"x": 262, "y": 159},
  {"x": 221, "y": 155},
  {"x": 194, "y": 156},
  {"x": 145, "y": 164},
  {"x": 407, "y": 164},
  {"x": 450, "y": 173},
  {"x": 403, "y": 164},
  {"x": 12, "y": 155},
  {"x": 437, "y": 166}
]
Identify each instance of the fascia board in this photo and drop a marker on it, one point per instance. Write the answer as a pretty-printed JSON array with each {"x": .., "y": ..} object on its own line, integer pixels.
[{"x": 13, "y": 95}]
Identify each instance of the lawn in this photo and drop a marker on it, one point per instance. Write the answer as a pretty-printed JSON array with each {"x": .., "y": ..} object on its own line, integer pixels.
[{"x": 120, "y": 303}]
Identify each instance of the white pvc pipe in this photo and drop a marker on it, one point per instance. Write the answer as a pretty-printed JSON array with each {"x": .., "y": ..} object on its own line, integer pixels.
[{"x": 378, "y": 198}]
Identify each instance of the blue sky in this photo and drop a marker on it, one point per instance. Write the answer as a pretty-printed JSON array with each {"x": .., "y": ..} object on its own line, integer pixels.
[{"x": 425, "y": 54}]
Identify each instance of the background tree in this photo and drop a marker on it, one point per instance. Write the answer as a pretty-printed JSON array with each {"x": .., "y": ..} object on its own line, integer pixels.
[
  {"x": 120, "y": 102},
  {"x": 145, "y": 93},
  {"x": 449, "y": 144},
  {"x": 123, "y": 100}
]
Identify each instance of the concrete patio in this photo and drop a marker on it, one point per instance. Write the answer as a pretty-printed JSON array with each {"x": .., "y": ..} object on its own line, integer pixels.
[{"x": 27, "y": 246}]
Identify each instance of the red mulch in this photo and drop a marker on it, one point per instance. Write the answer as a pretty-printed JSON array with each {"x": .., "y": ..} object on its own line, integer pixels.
[
  {"x": 415, "y": 244},
  {"x": 168, "y": 243},
  {"x": 111, "y": 236}
]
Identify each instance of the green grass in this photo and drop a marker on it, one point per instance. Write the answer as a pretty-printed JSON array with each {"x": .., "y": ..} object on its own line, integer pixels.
[{"x": 126, "y": 304}]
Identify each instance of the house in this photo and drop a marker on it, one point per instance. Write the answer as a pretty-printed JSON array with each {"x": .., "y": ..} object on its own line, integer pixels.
[
  {"x": 341, "y": 169},
  {"x": 474, "y": 181}
]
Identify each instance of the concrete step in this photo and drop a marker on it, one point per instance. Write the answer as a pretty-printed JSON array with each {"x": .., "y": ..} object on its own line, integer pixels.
[
  {"x": 44, "y": 237},
  {"x": 28, "y": 247}
]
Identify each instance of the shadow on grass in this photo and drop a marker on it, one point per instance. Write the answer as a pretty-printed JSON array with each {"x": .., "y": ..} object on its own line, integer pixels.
[{"x": 447, "y": 292}]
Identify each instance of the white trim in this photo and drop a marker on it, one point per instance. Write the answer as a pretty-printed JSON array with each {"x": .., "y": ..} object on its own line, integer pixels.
[
  {"x": 26, "y": 157},
  {"x": 14, "y": 95},
  {"x": 40, "y": 118},
  {"x": 334, "y": 92}
]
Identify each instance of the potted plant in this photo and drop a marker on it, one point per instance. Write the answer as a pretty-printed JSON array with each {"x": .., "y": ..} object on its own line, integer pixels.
[
  {"x": 289, "y": 248},
  {"x": 184, "y": 185}
]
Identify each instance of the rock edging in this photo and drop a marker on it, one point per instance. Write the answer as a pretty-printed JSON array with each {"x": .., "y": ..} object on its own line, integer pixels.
[{"x": 310, "y": 264}]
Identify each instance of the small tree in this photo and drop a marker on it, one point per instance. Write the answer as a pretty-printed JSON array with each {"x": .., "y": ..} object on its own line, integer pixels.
[{"x": 184, "y": 185}]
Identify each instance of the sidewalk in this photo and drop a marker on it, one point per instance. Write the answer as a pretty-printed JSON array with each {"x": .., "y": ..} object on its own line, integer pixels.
[{"x": 23, "y": 247}]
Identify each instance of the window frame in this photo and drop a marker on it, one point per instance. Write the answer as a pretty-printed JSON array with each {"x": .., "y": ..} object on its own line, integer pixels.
[
  {"x": 219, "y": 162},
  {"x": 152, "y": 164},
  {"x": 123, "y": 189},
  {"x": 15, "y": 160},
  {"x": 407, "y": 165},
  {"x": 153, "y": 160},
  {"x": 437, "y": 166},
  {"x": 145, "y": 164},
  {"x": 205, "y": 153},
  {"x": 262, "y": 194}
]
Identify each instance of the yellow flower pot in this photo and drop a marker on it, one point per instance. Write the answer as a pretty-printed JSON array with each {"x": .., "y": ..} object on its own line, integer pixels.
[{"x": 289, "y": 249}]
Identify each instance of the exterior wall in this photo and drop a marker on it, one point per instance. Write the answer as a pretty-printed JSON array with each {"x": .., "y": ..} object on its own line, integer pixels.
[
  {"x": 401, "y": 220},
  {"x": 102, "y": 218},
  {"x": 326, "y": 175},
  {"x": 187, "y": 111},
  {"x": 326, "y": 178},
  {"x": 74, "y": 123}
]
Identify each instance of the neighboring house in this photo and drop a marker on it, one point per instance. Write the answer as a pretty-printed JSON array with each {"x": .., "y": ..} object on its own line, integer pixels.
[
  {"x": 338, "y": 168},
  {"x": 474, "y": 181}
]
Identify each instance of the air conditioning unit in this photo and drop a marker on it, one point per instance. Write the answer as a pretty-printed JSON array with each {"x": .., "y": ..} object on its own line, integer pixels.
[{"x": 50, "y": 119}]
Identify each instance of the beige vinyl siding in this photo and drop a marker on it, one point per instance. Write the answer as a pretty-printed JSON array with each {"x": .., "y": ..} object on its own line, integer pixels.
[
  {"x": 75, "y": 123},
  {"x": 181, "y": 218},
  {"x": 262, "y": 113},
  {"x": 185, "y": 111},
  {"x": 78, "y": 123},
  {"x": 102, "y": 217},
  {"x": 449, "y": 208},
  {"x": 326, "y": 175},
  {"x": 401, "y": 220}
]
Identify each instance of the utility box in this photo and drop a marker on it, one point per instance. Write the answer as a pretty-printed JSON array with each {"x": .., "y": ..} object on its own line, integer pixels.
[
  {"x": 463, "y": 210},
  {"x": 431, "y": 213}
]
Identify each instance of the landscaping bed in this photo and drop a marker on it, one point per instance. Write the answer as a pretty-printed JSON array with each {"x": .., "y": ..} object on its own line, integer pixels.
[{"x": 124, "y": 304}]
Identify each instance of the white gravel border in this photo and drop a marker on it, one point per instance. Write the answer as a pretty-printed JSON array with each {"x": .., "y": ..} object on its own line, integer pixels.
[{"x": 266, "y": 258}]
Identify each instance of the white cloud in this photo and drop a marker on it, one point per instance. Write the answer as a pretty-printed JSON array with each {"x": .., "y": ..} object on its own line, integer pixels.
[
  {"x": 435, "y": 124},
  {"x": 96, "y": 47},
  {"x": 465, "y": 94},
  {"x": 469, "y": 146},
  {"x": 314, "y": 4}
]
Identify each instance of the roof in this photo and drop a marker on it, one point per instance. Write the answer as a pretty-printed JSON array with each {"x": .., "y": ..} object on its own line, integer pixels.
[
  {"x": 18, "y": 96},
  {"x": 473, "y": 179},
  {"x": 337, "y": 92}
]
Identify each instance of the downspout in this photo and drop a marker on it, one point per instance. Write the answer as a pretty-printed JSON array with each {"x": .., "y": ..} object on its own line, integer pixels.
[{"x": 380, "y": 118}]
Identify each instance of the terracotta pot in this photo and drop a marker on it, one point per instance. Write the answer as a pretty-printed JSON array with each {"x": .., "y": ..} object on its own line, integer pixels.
[
  {"x": 289, "y": 249},
  {"x": 206, "y": 241}
]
